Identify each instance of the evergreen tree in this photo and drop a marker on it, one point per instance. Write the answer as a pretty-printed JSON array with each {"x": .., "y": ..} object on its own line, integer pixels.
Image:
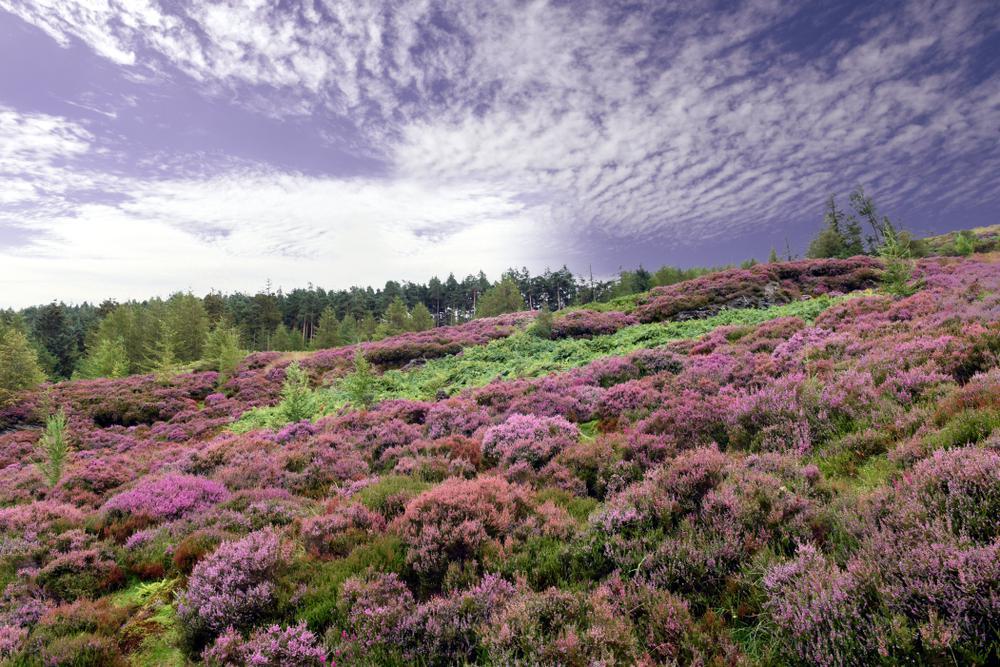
[
  {"x": 53, "y": 448},
  {"x": 52, "y": 331},
  {"x": 360, "y": 386},
  {"x": 542, "y": 326},
  {"x": 505, "y": 297},
  {"x": 297, "y": 399},
  {"x": 164, "y": 360},
  {"x": 285, "y": 340},
  {"x": 421, "y": 318},
  {"x": 773, "y": 257},
  {"x": 397, "y": 317},
  {"x": 19, "y": 368},
  {"x": 107, "y": 358},
  {"x": 327, "y": 331},
  {"x": 367, "y": 327},
  {"x": 189, "y": 323},
  {"x": 223, "y": 350},
  {"x": 348, "y": 332}
]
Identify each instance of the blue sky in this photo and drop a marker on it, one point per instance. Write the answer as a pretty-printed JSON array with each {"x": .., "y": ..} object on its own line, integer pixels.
[{"x": 149, "y": 146}]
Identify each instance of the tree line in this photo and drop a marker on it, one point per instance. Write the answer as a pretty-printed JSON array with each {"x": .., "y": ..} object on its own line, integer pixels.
[{"x": 159, "y": 335}]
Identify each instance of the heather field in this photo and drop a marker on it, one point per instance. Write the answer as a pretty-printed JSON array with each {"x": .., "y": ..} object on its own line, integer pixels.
[{"x": 783, "y": 464}]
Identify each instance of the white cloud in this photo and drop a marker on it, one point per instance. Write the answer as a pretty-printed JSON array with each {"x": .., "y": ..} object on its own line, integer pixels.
[{"x": 236, "y": 230}]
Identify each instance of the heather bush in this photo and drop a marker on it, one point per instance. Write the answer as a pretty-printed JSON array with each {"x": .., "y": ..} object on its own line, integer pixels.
[
  {"x": 446, "y": 630},
  {"x": 455, "y": 525},
  {"x": 232, "y": 587},
  {"x": 85, "y": 650},
  {"x": 375, "y": 608},
  {"x": 823, "y": 615},
  {"x": 579, "y": 323},
  {"x": 534, "y": 440},
  {"x": 271, "y": 646},
  {"x": 169, "y": 497},
  {"x": 80, "y": 573},
  {"x": 337, "y": 533},
  {"x": 555, "y": 627}
]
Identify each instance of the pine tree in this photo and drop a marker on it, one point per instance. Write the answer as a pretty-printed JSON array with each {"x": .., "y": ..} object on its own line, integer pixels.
[
  {"x": 348, "y": 331},
  {"x": 53, "y": 448},
  {"x": 327, "y": 332},
  {"x": 189, "y": 323},
  {"x": 297, "y": 399},
  {"x": 107, "y": 358},
  {"x": 361, "y": 386},
  {"x": 421, "y": 318},
  {"x": 19, "y": 368},
  {"x": 285, "y": 340},
  {"x": 542, "y": 326},
  {"x": 53, "y": 332},
  {"x": 505, "y": 297},
  {"x": 222, "y": 350},
  {"x": 773, "y": 257},
  {"x": 164, "y": 364},
  {"x": 397, "y": 317}
]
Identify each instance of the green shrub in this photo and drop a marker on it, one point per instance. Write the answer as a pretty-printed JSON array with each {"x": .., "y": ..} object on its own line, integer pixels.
[{"x": 53, "y": 448}]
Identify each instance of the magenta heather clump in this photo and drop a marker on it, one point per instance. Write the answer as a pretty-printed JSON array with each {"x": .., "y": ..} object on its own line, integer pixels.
[
  {"x": 169, "y": 497},
  {"x": 271, "y": 646},
  {"x": 232, "y": 587}
]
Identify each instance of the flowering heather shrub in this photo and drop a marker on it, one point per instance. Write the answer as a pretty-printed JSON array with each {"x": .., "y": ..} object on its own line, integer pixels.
[
  {"x": 273, "y": 646},
  {"x": 534, "y": 440},
  {"x": 455, "y": 523},
  {"x": 232, "y": 587},
  {"x": 12, "y": 638},
  {"x": 824, "y": 615},
  {"x": 961, "y": 486},
  {"x": 335, "y": 534},
  {"x": 445, "y": 629},
  {"x": 168, "y": 497},
  {"x": 376, "y": 609},
  {"x": 587, "y": 323},
  {"x": 758, "y": 286},
  {"x": 83, "y": 649},
  {"x": 455, "y": 417},
  {"x": 79, "y": 573},
  {"x": 557, "y": 627}
]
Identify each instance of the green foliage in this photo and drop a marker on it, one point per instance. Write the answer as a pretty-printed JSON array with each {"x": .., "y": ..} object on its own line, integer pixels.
[
  {"x": 965, "y": 243},
  {"x": 348, "y": 331},
  {"x": 188, "y": 322},
  {"x": 397, "y": 317},
  {"x": 164, "y": 364},
  {"x": 360, "y": 386},
  {"x": 542, "y": 326},
  {"x": 841, "y": 235},
  {"x": 53, "y": 448},
  {"x": 327, "y": 332},
  {"x": 969, "y": 426},
  {"x": 297, "y": 399},
  {"x": 898, "y": 265},
  {"x": 386, "y": 495},
  {"x": 505, "y": 297},
  {"x": 524, "y": 355},
  {"x": 107, "y": 358},
  {"x": 19, "y": 368},
  {"x": 285, "y": 340},
  {"x": 222, "y": 349},
  {"x": 421, "y": 318},
  {"x": 323, "y": 580}
]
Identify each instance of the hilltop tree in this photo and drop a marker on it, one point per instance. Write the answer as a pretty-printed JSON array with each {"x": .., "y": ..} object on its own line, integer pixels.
[
  {"x": 421, "y": 318},
  {"x": 19, "y": 368},
  {"x": 504, "y": 298},
  {"x": 327, "y": 331},
  {"x": 107, "y": 358},
  {"x": 348, "y": 331},
  {"x": 53, "y": 332},
  {"x": 397, "y": 317},
  {"x": 223, "y": 350},
  {"x": 189, "y": 323}
]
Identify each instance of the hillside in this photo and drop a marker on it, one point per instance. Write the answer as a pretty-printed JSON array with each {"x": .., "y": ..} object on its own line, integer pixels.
[{"x": 782, "y": 464}]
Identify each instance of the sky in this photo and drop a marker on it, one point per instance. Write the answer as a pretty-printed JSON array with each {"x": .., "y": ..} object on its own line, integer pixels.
[{"x": 152, "y": 146}]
